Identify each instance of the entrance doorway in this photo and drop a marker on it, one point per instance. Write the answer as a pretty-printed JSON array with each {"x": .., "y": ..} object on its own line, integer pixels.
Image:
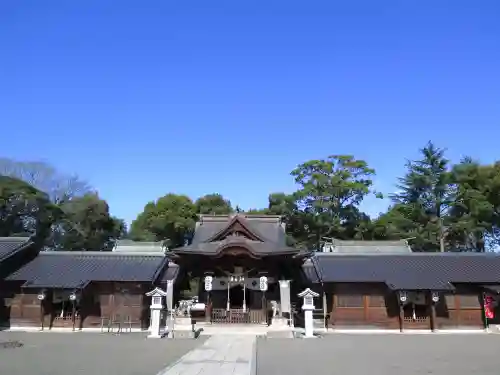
[{"x": 236, "y": 297}]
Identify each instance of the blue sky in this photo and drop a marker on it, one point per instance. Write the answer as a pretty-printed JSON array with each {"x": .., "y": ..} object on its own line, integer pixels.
[{"x": 194, "y": 97}]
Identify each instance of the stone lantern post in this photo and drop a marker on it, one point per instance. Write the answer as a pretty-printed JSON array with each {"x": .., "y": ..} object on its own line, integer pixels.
[
  {"x": 308, "y": 306},
  {"x": 156, "y": 306}
]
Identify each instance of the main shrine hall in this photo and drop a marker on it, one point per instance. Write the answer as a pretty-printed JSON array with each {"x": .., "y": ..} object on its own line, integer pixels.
[{"x": 238, "y": 269}]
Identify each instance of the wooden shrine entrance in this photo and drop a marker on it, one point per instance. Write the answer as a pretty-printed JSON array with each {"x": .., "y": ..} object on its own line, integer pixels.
[{"x": 239, "y": 316}]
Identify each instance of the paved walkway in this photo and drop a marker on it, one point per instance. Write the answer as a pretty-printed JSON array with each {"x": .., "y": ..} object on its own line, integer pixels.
[{"x": 219, "y": 355}]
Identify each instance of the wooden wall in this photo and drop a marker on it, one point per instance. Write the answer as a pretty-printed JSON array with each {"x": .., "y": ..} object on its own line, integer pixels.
[
  {"x": 362, "y": 305},
  {"x": 460, "y": 310},
  {"x": 99, "y": 301},
  {"x": 366, "y": 305}
]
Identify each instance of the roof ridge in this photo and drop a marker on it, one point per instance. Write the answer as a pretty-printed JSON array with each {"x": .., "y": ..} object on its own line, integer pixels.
[
  {"x": 14, "y": 239},
  {"x": 104, "y": 253},
  {"x": 412, "y": 254}
]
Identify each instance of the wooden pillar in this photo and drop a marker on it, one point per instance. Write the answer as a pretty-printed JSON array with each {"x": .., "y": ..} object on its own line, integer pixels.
[
  {"x": 208, "y": 309},
  {"x": 432, "y": 308},
  {"x": 401, "y": 317},
  {"x": 73, "y": 314},
  {"x": 42, "y": 315},
  {"x": 332, "y": 311},
  {"x": 264, "y": 307},
  {"x": 325, "y": 322}
]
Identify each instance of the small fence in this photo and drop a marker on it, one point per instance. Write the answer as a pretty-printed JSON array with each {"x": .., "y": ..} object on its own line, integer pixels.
[{"x": 238, "y": 316}]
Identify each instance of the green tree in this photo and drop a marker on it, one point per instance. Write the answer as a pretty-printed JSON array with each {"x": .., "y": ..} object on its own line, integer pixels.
[
  {"x": 171, "y": 218},
  {"x": 475, "y": 213},
  {"x": 86, "y": 225},
  {"x": 213, "y": 204},
  {"x": 329, "y": 190},
  {"x": 425, "y": 197},
  {"x": 25, "y": 210}
]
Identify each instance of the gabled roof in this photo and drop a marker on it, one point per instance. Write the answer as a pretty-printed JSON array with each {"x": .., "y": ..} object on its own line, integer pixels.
[
  {"x": 244, "y": 224},
  {"x": 11, "y": 245},
  {"x": 61, "y": 269},
  {"x": 267, "y": 236},
  {"x": 268, "y": 227},
  {"x": 414, "y": 271}
]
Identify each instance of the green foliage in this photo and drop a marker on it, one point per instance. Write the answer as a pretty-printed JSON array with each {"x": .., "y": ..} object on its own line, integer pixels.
[
  {"x": 25, "y": 210},
  {"x": 439, "y": 206},
  {"x": 87, "y": 225},
  {"x": 329, "y": 191},
  {"x": 59, "y": 211},
  {"x": 172, "y": 218},
  {"x": 425, "y": 197},
  {"x": 213, "y": 204}
]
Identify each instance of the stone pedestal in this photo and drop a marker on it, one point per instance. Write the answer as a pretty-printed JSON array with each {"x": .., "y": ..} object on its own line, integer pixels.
[
  {"x": 154, "y": 331},
  {"x": 308, "y": 323},
  {"x": 183, "y": 328},
  {"x": 279, "y": 322}
]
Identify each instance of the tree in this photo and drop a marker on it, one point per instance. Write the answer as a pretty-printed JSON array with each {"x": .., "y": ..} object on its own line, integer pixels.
[
  {"x": 58, "y": 186},
  {"x": 171, "y": 218},
  {"x": 475, "y": 213},
  {"x": 25, "y": 210},
  {"x": 427, "y": 194},
  {"x": 329, "y": 190},
  {"x": 87, "y": 225},
  {"x": 213, "y": 204}
]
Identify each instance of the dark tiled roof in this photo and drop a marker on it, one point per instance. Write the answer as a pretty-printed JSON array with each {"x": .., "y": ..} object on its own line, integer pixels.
[
  {"x": 170, "y": 273},
  {"x": 71, "y": 269},
  {"x": 368, "y": 247},
  {"x": 310, "y": 272},
  {"x": 267, "y": 228},
  {"x": 491, "y": 288},
  {"x": 410, "y": 271},
  {"x": 212, "y": 248},
  {"x": 10, "y": 245}
]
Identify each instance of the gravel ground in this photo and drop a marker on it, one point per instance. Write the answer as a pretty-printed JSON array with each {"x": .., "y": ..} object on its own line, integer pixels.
[
  {"x": 458, "y": 354},
  {"x": 89, "y": 353}
]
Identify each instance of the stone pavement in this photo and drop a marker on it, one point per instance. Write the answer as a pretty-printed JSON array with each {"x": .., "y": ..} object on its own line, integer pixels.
[
  {"x": 381, "y": 354},
  {"x": 219, "y": 355},
  {"x": 79, "y": 353}
]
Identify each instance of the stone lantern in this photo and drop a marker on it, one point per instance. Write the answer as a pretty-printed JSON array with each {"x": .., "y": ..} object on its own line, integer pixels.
[
  {"x": 308, "y": 306},
  {"x": 156, "y": 306}
]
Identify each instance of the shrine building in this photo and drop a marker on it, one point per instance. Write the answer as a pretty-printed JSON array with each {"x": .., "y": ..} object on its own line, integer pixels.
[{"x": 240, "y": 270}]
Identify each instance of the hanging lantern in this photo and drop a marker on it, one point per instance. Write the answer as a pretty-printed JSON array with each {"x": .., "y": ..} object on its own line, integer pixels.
[
  {"x": 263, "y": 283},
  {"x": 208, "y": 283}
]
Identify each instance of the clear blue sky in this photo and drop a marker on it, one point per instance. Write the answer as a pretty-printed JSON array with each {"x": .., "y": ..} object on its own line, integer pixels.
[{"x": 142, "y": 98}]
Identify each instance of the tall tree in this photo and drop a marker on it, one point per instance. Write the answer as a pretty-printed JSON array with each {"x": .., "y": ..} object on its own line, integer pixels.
[
  {"x": 425, "y": 196},
  {"x": 213, "y": 204},
  {"x": 171, "y": 218},
  {"x": 25, "y": 210},
  {"x": 86, "y": 225},
  {"x": 329, "y": 189},
  {"x": 475, "y": 213},
  {"x": 43, "y": 176}
]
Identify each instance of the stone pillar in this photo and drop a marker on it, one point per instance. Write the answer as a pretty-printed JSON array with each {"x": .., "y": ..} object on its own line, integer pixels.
[
  {"x": 308, "y": 306},
  {"x": 156, "y": 306},
  {"x": 208, "y": 289},
  {"x": 169, "y": 319},
  {"x": 284, "y": 297}
]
